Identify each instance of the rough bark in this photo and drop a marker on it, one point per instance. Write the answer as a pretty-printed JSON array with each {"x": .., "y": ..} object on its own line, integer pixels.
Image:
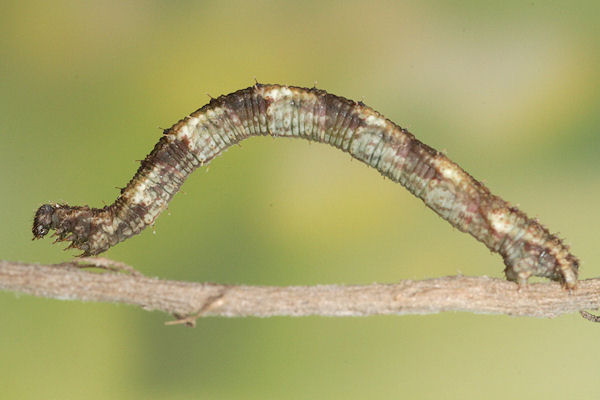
[{"x": 188, "y": 300}]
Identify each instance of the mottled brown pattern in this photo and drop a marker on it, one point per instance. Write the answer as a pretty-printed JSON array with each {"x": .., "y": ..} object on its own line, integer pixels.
[{"x": 527, "y": 247}]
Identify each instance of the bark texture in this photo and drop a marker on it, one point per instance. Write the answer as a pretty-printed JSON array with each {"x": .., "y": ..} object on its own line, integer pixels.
[{"x": 187, "y": 300}]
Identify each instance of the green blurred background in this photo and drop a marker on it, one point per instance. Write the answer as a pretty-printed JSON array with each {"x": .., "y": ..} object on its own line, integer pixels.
[{"x": 508, "y": 89}]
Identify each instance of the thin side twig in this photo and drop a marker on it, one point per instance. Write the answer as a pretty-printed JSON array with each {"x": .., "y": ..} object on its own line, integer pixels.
[{"x": 188, "y": 300}]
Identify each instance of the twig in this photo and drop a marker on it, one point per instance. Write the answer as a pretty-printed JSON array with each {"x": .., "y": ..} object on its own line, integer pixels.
[
  {"x": 107, "y": 264},
  {"x": 187, "y": 300}
]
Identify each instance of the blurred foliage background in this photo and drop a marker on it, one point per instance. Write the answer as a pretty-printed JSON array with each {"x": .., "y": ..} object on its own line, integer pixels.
[{"x": 508, "y": 89}]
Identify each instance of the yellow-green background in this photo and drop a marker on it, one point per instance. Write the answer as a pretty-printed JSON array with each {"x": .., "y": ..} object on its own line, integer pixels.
[{"x": 509, "y": 89}]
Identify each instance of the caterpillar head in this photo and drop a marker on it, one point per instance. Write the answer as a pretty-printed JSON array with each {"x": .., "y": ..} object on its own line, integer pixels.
[
  {"x": 74, "y": 224},
  {"x": 42, "y": 222}
]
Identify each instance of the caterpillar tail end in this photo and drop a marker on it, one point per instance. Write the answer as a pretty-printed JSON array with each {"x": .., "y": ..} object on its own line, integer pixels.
[{"x": 563, "y": 269}]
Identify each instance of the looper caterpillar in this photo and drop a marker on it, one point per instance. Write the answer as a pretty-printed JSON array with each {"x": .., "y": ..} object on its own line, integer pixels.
[{"x": 527, "y": 247}]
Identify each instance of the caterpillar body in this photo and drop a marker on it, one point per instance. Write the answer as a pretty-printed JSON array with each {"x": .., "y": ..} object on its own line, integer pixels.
[{"x": 527, "y": 247}]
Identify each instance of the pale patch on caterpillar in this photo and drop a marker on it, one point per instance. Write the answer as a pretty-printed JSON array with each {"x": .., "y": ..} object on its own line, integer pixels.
[{"x": 527, "y": 247}]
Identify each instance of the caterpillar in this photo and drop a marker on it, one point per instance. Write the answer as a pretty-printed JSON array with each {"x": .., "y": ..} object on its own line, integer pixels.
[{"x": 527, "y": 247}]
